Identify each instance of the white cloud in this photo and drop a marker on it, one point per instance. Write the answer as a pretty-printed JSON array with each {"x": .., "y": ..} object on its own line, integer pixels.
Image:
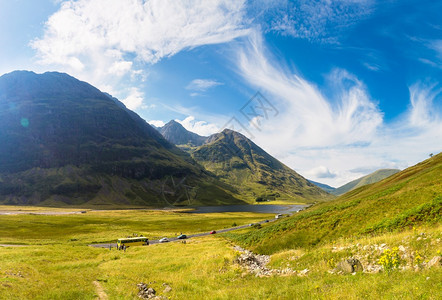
[
  {"x": 134, "y": 100},
  {"x": 341, "y": 133},
  {"x": 321, "y": 172},
  {"x": 202, "y": 85},
  {"x": 150, "y": 30},
  {"x": 157, "y": 123},
  {"x": 200, "y": 127},
  {"x": 107, "y": 41}
]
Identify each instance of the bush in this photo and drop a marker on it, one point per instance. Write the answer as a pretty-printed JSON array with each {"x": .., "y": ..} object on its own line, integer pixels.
[{"x": 390, "y": 259}]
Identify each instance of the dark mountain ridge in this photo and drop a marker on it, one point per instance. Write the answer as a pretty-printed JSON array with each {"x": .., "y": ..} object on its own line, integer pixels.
[{"x": 64, "y": 140}]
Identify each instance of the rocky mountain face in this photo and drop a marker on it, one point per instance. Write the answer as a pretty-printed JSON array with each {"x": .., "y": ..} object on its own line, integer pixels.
[
  {"x": 64, "y": 141},
  {"x": 176, "y": 134},
  {"x": 238, "y": 161},
  {"x": 367, "y": 179}
]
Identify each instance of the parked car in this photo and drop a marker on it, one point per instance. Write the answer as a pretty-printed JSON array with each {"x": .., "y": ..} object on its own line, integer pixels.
[
  {"x": 164, "y": 240},
  {"x": 182, "y": 236},
  {"x": 278, "y": 216},
  {"x": 266, "y": 221},
  {"x": 213, "y": 232}
]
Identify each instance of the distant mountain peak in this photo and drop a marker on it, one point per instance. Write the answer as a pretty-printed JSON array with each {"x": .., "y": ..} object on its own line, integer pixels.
[
  {"x": 364, "y": 180},
  {"x": 176, "y": 134},
  {"x": 229, "y": 131},
  {"x": 240, "y": 162},
  {"x": 173, "y": 122}
]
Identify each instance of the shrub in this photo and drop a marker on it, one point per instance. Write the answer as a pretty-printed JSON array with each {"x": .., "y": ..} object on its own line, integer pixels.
[
  {"x": 259, "y": 199},
  {"x": 390, "y": 259},
  {"x": 417, "y": 258}
]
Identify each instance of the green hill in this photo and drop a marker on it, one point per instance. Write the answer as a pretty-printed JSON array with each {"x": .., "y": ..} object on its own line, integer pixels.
[
  {"x": 258, "y": 176},
  {"x": 368, "y": 179},
  {"x": 403, "y": 200},
  {"x": 65, "y": 142}
]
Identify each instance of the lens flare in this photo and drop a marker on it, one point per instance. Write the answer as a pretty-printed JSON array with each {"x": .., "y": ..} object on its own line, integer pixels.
[{"x": 24, "y": 122}]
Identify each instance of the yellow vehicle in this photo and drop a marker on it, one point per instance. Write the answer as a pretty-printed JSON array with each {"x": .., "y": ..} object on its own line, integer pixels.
[{"x": 134, "y": 241}]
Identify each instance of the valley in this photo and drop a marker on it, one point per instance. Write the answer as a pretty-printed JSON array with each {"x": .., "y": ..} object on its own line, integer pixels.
[
  {"x": 56, "y": 262},
  {"x": 84, "y": 171},
  {"x": 298, "y": 256}
]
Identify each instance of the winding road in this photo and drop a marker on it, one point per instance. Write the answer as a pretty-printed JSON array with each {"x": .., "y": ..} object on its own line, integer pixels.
[{"x": 174, "y": 239}]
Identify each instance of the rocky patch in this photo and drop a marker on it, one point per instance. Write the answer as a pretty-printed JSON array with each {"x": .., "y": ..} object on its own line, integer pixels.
[
  {"x": 349, "y": 265},
  {"x": 257, "y": 264},
  {"x": 146, "y": 292},
  {"x": 369, "y": 256},
  {"x": 435, "y": 262}
]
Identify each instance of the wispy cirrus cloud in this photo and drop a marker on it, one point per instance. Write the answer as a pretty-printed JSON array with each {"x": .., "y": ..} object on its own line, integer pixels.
[
  {"x": 428, "y": 51},
  {"x": 199, "y": 86},
  {"x": 318, "y": 21},
  {"x": 313, "y": 119},
  {"x": 436, "y": 48},
  {"x": 202, "y": 85},
  {"x": 422, "y": 113},
  {"x": 341, "y": 133}
]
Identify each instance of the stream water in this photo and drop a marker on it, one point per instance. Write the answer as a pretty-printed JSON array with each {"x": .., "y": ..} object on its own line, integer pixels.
[{"x": 267, "y": 208}]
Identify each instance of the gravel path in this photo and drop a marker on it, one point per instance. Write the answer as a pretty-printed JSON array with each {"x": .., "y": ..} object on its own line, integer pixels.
[{"x": 100, "y": 291}]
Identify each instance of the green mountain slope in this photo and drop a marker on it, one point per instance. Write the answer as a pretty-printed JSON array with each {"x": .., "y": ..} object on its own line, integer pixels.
[
  {"x": 367, "y": 179},
  {"x": 410, "y": 197},
  {"x": 257, "y": 175},
  {"x": 65, "y": 142}
]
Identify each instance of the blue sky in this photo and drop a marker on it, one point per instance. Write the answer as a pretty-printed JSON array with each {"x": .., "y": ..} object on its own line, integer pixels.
[{"x": 345, "y": 87}]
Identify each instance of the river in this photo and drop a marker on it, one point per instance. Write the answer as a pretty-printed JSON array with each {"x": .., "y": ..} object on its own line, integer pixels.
[{"x": 267, "y": 208}]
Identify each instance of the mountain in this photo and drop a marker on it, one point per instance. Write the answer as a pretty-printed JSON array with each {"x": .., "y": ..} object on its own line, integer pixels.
[
  {"x": 65, "y": 142},
  {"x": 408, "y": 198},
  {"x": 176, "y": 134},
  {"x": 238, "y": 161},
  {"x": 368, "y": 179},
  {"x": 325, "y": 187}
]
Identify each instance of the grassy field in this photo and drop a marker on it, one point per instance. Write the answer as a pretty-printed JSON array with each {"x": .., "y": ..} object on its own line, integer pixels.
[
  {"x": 107, "y": 226},
  {"x": 58, "y": 264}
]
